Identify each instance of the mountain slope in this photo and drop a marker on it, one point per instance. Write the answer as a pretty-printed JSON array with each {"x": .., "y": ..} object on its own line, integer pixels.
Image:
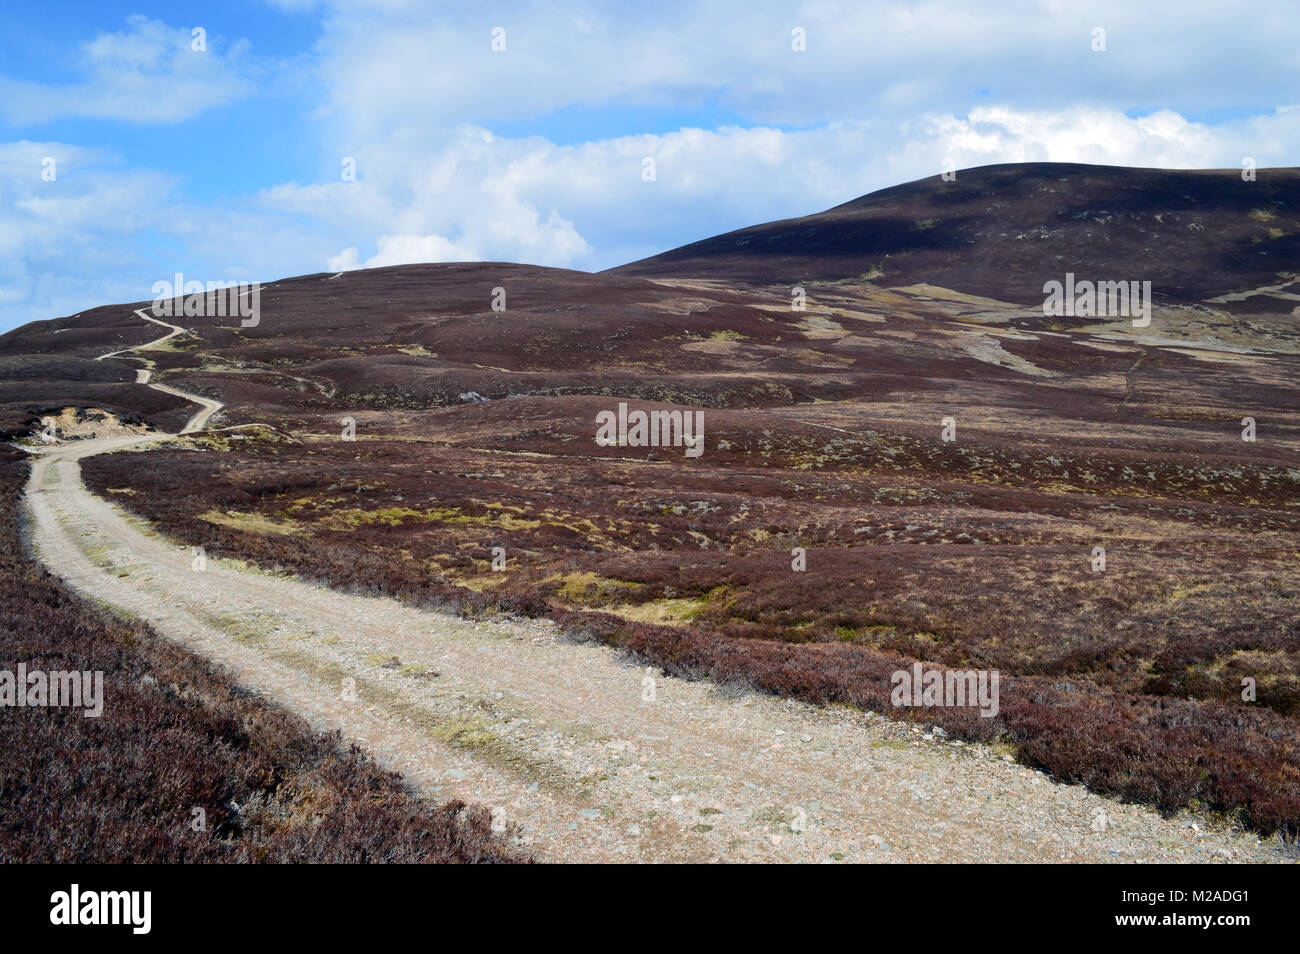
[{"x": 1002, "y": 231}]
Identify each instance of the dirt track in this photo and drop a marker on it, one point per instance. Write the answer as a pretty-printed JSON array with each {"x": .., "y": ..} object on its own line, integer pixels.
[{"x": 562, "y": 738}]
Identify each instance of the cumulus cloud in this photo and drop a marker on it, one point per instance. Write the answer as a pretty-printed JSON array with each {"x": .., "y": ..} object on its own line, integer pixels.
[
  {"x": 389, "y": 64},
  {"x": 61, "y": 237},
  {"x": 1161, "y": 139},
  {"x": 471, "y": 198},
  {"x": 99, "y": 231},
  {"x": 402, "y": 250},
  {"x": 148, "y": 73}
]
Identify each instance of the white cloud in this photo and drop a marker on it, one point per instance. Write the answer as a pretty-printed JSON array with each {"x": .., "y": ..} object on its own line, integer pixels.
[
  {"x": 1085, "y": 134},
  {"x": 473, "y": 198},
  {"x": 344, "y": 261},
  {"x": 102, "y": 232},
  {"x": 402, "y": 63},
  {"x": 60, "y": 240},
  {"x": 403, "y": 250},
  {"x": 146, "y": 74}
]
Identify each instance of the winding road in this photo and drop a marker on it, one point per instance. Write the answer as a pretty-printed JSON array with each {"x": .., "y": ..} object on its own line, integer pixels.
[
  {"x": 142, "y": 376},
  {"x": 591, "y": 756}
]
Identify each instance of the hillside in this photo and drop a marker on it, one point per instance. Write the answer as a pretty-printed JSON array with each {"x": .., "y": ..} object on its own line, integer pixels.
[{"x": 1001, "y": 231}]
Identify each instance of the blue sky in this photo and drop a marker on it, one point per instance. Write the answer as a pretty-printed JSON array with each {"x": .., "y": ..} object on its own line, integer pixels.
[
  {"x": 41, "y": 43},
  {"x": 225, "y": 163}
]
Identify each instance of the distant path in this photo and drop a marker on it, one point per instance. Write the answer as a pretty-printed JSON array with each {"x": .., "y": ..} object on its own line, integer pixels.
[
  {"x": 596, "y": 760},
  {"x": 143, "y": 375},
  {"x": 175, "y": 330}
]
